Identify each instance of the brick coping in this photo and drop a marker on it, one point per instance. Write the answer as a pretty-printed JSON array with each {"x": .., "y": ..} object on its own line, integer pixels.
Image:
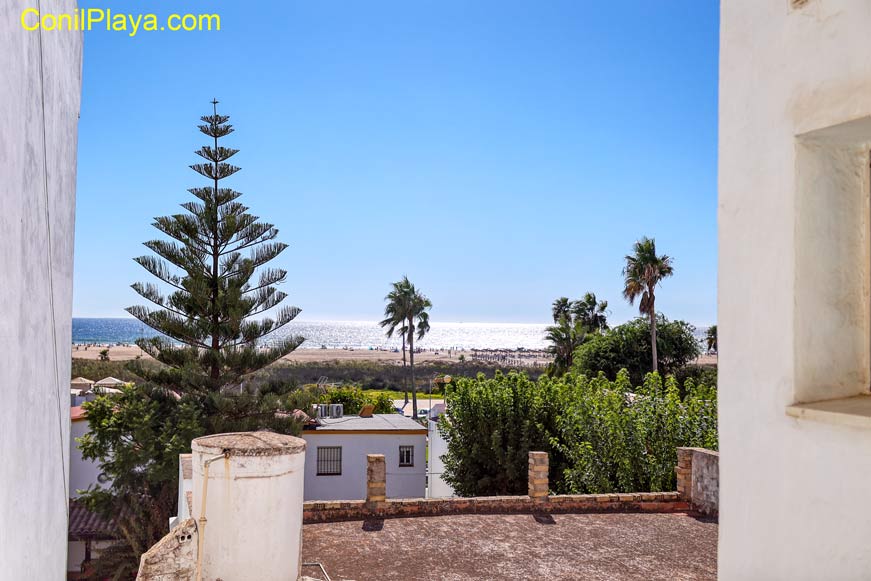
[{"x": 344, "y": 510}]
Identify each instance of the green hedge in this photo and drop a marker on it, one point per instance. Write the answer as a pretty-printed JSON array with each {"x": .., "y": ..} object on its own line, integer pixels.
[{"x": 602, "y": 436}]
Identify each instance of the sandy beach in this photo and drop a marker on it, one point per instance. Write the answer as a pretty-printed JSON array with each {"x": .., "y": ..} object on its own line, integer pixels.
[
  {"x": 128, "y": 352},
  {"x": 516, "y": 358}
]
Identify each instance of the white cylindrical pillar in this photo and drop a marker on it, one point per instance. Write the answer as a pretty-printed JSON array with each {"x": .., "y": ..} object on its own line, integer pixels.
[{"x": 253, "y": 505}]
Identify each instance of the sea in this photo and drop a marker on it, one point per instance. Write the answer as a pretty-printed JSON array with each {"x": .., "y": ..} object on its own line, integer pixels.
[
  {"x": 343, "y": 334},
  {"x": 348, "y": 334}
]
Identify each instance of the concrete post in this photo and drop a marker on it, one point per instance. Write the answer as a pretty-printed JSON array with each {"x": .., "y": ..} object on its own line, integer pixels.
[
  {"x": 684, "y": 472},
  {"x": 376, "y": 480},
  {"x": 538, "y": 467}
]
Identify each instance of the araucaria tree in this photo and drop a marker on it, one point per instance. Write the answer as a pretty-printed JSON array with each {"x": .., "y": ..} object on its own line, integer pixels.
[
  {"x": 210, "y": 321},
  {"x": 406, "y": 309},
  {"x": 644, "y": 270},
  {"x": 210, "y": 314}
]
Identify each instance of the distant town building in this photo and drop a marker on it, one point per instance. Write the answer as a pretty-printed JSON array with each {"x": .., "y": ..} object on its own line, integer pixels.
[{"x": 108, "y": 385}]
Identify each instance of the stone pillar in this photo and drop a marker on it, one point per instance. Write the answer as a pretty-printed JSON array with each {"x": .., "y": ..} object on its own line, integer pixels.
[
  {"x": 376, "y": 480},
  {"x": 538, "y": 466},
  {"x": 684, "y": 472}
]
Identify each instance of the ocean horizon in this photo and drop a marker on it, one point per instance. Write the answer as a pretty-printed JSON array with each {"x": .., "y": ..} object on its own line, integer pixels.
[
  {"x": 341, "y": 334},
  {"x": 346, "y": 334}
]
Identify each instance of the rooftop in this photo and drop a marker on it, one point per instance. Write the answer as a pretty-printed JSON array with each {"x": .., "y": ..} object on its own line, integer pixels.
[
  {"x": 85, "y": 524},
  {"x": 378, "y": 422},
  {"x": 108, "y": 382},
  {"x": 77, "y": 413},
  {"x": 561, "y": 546}
]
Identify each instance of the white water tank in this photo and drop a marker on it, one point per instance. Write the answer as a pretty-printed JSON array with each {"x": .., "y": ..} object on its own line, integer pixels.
[{"x": 253, "y": 505}]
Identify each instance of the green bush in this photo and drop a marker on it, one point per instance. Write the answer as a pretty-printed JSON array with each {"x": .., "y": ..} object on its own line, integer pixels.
[
  {"x": 353, "y": 399},
  {"x": 601, "y": 437},
  {"x": 628, "y": 347}
]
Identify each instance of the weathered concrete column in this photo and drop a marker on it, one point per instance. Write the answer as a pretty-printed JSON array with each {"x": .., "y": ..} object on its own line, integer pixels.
[
  {"x": 684, "y": 472},
  {"x": 376, "y": 480},
  {"x": 538, "y": 467}
]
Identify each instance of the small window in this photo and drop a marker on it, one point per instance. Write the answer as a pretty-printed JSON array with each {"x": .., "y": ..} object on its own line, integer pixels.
[
  {"x": 406, "y": 456},
  {"x": 329, "y": 460}
]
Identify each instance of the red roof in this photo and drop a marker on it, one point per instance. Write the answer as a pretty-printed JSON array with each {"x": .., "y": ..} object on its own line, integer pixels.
[
  {"x": 77, "y": 413},
  {"x": 85, "y": 524}
]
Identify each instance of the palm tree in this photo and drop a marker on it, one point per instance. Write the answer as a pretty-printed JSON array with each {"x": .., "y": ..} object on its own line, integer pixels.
[
  {"x": 394, "y": 318},
  {"x": 591, "y": 312},
  {"x": 644, "y": 270},
  {"x": 711, "y": 338},
  {"x": 561, "y": 308},
  {"x": 407, "y": 309},
  {"x": 565, "y": 337}
]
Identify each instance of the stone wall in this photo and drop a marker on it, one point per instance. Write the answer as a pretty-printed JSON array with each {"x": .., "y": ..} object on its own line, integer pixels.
[
  {"x": 698, "y": 479},
  {"x": 174, "y": 557},
  {"x": 342, "y": 510},
  {"x": 538, "y": 501}
]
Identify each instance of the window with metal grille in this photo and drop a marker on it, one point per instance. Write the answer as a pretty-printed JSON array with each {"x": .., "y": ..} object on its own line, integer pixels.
[
  {"x": 406, "y": 455},
  {"x": 329, "y": 460}
]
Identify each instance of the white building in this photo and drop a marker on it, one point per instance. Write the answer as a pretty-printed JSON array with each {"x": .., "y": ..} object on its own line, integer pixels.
[
  {"x": 83, "y": 473},
  {"x": 438, "y": 447},
  {"x": 794, "y": 280},
  {"x": 40, "y": 93},
  {"x": 335, "y": 456},
  {"x": 88, "y": 533}
]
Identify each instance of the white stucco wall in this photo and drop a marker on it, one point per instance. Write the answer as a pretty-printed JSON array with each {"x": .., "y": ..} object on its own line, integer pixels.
[
  {"x": 437, "y": 448},
  {"x": 405, "y": 482},
  {"x": 795, "y": 103},
  {"x": 83, "y": 473},
  {"x": 39, "y": 107}
]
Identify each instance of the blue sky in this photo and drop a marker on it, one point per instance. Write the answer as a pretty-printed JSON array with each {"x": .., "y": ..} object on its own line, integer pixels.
[{"x": 499, "y": 153}]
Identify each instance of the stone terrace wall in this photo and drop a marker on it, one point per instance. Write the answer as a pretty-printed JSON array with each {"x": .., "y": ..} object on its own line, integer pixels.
[
  {"x": 341, "y": 510},
  {"x": 698, "y": 479},
  {"x": 537, "y": 502}
]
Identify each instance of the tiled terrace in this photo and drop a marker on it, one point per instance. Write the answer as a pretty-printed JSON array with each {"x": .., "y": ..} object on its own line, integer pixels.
[{"x": 592, "y": 547}]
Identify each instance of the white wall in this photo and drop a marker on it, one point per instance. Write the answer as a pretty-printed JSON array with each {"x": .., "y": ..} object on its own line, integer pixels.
[
  {"x": 76, "y": 553},
  {"x": 83, "y": 473},
  {"x": 793, "y": 287},
  {"x": 437, "y": 448},
  {"x": 39, "y": 106},
  {"x": 405, "y": 482}
]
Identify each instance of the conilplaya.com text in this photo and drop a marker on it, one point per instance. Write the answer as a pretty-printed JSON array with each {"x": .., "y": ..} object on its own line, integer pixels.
[{"x": 87, "y": 19}]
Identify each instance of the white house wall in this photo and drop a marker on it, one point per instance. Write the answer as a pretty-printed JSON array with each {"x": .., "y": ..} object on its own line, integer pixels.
[
  {"x": 438, "y": 447},
  {"x": 795, "y": 102},
  {"x": 406, "y": 482},
  {"x": 83, "y": 473},
  {"x": 40, "y": 93}
]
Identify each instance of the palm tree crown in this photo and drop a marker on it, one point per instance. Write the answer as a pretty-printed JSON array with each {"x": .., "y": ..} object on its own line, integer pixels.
[{"x": 592, "y": 312}]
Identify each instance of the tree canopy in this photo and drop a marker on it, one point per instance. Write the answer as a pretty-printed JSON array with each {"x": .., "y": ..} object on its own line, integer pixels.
[{"x": 628, "y": 347}]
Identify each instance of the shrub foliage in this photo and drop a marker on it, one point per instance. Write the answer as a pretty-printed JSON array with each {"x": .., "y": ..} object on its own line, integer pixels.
[{"x": 602, "y": 436}]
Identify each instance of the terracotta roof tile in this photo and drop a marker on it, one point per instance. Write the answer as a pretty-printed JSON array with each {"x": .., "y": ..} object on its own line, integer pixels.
[{"x": 85, "y": 524}]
